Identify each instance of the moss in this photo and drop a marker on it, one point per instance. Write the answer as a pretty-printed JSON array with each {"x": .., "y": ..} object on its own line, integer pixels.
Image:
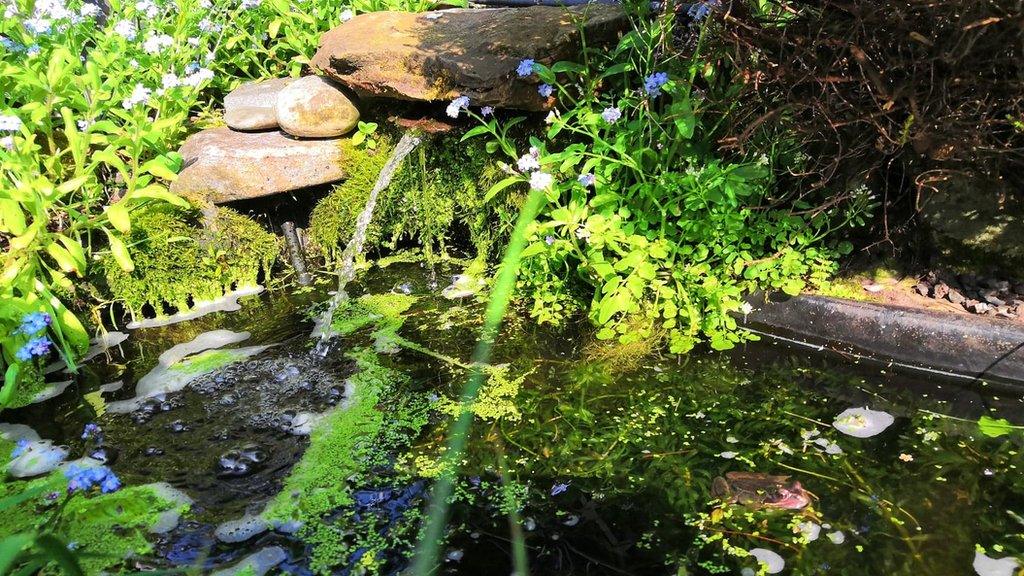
[
  {"x": 375, "y": 309},
  {"x": 104, "y": 529},
  {"x": 178, "y": 262},
  {"x": 436, "y": 196},
  {"x": 207, "y": 361}
]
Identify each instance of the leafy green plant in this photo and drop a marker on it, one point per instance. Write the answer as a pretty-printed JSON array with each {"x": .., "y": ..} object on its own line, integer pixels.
[
  {"x": 364, "y": 135},
  {"x": 643, "y": 220}
]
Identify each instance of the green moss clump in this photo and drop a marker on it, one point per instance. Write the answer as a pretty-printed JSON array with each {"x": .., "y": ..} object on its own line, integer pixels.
[
  {"x": 104, "y": 529},
  {"x": 178, "y": 262},
  {"x": 435, "y": 196},
  {"x": 380, "y": 310}
]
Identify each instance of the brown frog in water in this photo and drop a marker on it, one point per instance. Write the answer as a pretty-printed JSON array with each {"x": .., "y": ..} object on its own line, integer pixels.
[{"x": 760, "y": 490}]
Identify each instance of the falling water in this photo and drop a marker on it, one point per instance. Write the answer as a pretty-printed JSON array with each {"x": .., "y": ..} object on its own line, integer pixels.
[{"x": 347, "y": 270}]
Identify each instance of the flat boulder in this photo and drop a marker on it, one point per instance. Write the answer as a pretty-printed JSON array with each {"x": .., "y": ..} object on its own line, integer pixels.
[
  {"x": 222, "y": 165},
  {"x": 444, "y": 54},
  {"x": 253, "y": 106},
  {"x": 315, "y": 107}
]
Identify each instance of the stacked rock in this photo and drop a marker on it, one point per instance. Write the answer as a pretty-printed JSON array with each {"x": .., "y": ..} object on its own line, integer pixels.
[
  {"x": 286, "y": 134},
  {"x": 281, "y": 135},
  {"x": 308, "y": 107}
]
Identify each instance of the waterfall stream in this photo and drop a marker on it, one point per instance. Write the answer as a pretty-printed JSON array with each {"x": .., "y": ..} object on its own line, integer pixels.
[{"x": 347, "y": 270}]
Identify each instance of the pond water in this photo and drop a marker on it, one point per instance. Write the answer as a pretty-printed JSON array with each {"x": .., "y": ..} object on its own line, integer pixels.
[{"x": 606, "y": 455}]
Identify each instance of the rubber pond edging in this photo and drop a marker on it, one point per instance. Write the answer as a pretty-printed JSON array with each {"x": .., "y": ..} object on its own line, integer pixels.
[{"x": 951, "y": 345}]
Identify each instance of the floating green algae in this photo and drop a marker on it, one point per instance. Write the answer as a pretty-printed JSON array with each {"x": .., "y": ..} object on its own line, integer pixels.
[{"x": 178, "y": 262}]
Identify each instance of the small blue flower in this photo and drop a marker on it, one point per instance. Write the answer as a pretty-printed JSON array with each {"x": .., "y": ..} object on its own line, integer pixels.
[
  {"x": 86, "y": 478},
  {"x": 110, "y": 484},
  {"x": 525, "y": 68},
  {"x": 34, "y": 323},
  {"x": 559, "y": 487},
  {"x": 654, "y": 82},
  {"x": 545, "y": 90},
  {"x": 20, "y": 447},
  {"x": 611, "y": 115},
  {"x": 549, "y": 240},
  {"x": 486, "y": 111},
  {"x": 586, "y": 180},
  {"x": 91, "y": 430},
  {"x": 456, "y": 106},
  {"x": 39, "y": 346}
]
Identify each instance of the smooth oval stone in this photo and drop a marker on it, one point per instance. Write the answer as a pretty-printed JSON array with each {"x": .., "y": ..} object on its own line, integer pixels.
[
  {"x": 314, "y": 107},
  {"x": 253, "y": 106},
  {"x": 241, "y": 529},
  {"x": 258, "y": 563},
  {"x": 40, "y": 457}
]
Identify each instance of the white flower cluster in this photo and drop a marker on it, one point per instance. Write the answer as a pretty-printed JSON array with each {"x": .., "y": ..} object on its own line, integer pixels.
[
  {"x": 156, "y": 43},
  {"x": 206, "y": 26},
  {"x": 148, "y": 7},
  {"x": 139, "y": 95},
  {"x": 194, "y": 77},
  {"x": 250, "y": 4},
  {"x": 530, "y": 162},
  {"x": 126, "y": 29}
]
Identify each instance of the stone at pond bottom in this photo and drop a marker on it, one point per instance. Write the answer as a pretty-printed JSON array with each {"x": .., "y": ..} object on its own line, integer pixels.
[
  {"x": 39, "y": 457},
  {"x": 461, "y": 52},
  {"x": 222, "y": 165},
  {"x": 315, "y": 107},
  {"x": 773, "y": 562},
  {"x": 986, "y": 566},
  {"x": 253, "y": 106},
  {"x": 256, "y": 564},
  {"x": 168, "y": 520}
]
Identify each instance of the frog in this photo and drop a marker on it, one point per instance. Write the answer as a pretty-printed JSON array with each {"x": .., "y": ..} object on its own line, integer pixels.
[{"x": 760, "y": 490}]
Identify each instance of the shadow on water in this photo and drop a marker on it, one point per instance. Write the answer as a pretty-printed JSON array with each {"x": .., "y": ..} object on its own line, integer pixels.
[{"x": 610, "y": 465}]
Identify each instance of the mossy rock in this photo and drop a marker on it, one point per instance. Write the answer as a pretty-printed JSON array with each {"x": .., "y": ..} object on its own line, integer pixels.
[
  {"x": 435, "y": 198},
  {"x": 178, "y": 261}
]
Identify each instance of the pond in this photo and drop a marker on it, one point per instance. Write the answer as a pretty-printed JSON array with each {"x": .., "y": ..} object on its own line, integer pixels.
[{"x": 604, "y": 459}]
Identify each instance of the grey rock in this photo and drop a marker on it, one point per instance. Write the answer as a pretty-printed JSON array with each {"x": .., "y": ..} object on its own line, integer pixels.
[
  {"x": 222, "y": 165},
  {"x": 253, "y": 106},
  {"x": 315, "y": 107},
  {"x": 955, "y": 296}
]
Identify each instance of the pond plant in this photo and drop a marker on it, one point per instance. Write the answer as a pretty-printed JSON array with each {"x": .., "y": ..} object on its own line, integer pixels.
[{"x": 600, "y": 256}]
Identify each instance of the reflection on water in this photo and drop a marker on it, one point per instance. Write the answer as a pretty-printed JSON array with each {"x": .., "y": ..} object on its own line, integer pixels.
[{"x": 611, "y": 464}]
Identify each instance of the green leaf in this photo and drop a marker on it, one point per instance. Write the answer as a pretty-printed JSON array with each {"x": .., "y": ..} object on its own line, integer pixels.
[
  {"x": 10, "y": 383},
  {"x": 501, "y": 186},
  {"x": 159, "y": 167},
  {"x": 58, "y": 551},
  {"x": 793, "y": 287},
  {"x": 11, "y": 548},
  {"x": 62, "y": 257},
  {"x": 995, "y": 428},
  {"x": 158, "y": 193},
  {"x": 473, "y": 132},
  {"x": 12, "y": 217},
  {"x": 75, "y": 249},
  {"x": 358, "y": 138},
  {"x": 120, "y": 252},
  {"x": 118, "y": 216}
]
